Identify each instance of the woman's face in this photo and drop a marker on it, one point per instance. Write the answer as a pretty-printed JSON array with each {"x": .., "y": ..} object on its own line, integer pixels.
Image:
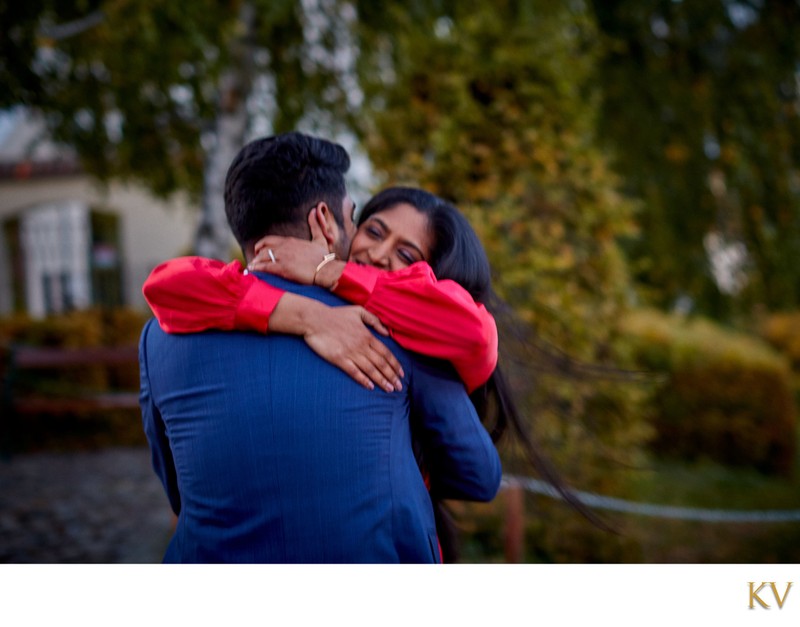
[{"x": 393, "y": 238}]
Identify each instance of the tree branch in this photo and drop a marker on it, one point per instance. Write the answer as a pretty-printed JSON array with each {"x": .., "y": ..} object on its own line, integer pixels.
[{"x": 58, "y": 32}]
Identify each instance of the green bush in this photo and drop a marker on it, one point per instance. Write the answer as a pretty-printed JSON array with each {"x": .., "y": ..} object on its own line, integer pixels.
[
  {"x": 782, "y": 331},
  {"x": 78, "y": 429},
  {"x": 726, "y": 396},
  {"x": 76, "y": 329}
]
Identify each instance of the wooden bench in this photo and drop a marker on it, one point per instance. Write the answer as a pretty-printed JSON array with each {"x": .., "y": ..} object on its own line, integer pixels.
[{"x": 20, "y": 359}]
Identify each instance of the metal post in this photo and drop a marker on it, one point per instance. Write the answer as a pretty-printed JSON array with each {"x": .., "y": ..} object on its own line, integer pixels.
[{"x": 515, "y": 524}]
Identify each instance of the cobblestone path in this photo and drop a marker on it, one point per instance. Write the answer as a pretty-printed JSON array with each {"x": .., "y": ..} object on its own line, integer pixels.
[{"x": 102, "y": 506}]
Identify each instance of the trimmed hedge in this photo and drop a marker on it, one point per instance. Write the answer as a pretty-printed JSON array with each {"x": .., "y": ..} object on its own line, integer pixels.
[
  {"x": 80, "y": 329},
  {"x": 726, "y": 396},
  {"x": 77, "y": 329},
  {"x": 120, "y": 327},
  {"x": 782, "y": 331}
]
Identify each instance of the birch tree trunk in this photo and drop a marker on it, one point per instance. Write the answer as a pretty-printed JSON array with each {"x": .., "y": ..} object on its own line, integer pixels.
[{"x": 213, "y": 238}]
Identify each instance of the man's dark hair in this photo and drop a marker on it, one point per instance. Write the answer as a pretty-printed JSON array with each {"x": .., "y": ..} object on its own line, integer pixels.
[{"x": 273, "y": 183}]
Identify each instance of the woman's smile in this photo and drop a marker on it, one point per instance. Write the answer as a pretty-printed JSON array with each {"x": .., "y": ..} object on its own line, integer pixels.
[{"x": 393, "y": 239}]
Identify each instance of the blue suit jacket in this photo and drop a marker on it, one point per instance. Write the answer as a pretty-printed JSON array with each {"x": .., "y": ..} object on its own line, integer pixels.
[{"x": 270, "y": 454}]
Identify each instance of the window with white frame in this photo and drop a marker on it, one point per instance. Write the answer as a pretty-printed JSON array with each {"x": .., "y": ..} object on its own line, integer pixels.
[{"x": 55, "y": 241}]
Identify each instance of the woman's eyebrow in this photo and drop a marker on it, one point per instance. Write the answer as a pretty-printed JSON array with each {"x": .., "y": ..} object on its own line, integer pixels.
[{"x": 407, "y": 242}]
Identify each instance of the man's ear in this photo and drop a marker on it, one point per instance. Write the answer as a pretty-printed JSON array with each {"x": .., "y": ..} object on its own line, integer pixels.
[{"x": 324, "y": 225}]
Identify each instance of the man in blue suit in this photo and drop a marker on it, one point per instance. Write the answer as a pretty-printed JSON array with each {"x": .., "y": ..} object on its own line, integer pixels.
[{"x": 267, "y": 452}]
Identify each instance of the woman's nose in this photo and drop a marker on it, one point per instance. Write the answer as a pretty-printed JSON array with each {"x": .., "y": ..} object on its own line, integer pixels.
[{"x": 379, "y": 255}]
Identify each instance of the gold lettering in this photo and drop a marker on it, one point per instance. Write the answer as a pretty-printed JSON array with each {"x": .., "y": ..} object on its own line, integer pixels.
[
  {"x": 777, "y": 596},
  {"x": 754, "y": 595}
]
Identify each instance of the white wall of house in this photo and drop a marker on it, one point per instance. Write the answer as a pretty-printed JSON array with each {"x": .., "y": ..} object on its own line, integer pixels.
[
  {"x": 6, "y": 299},
  {"x": 151, "y": 229}
]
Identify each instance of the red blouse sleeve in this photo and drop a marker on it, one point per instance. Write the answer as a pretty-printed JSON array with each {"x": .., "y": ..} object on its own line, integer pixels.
[
  {"x": 190, "y": 294},
  {"x": 435, "y": 318}
]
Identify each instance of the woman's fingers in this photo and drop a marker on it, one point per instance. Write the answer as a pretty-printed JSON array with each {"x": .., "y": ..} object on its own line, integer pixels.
[
  {"x": 288, "y": 257},
  {"x": 342, "y": 338},
  {"x": 373, "y": 321},
  {"x": 268, "y": 241},
  {"x": 378, "y": 364},
  {"x": 367, "y": 373},
  {"x": 386, "y": 363},
  {"x": 355, "y": 373},
  {"x": 375, "y": 359},
  {"x": 373, "y": 365},
  {"x": 262, "y": 262}
]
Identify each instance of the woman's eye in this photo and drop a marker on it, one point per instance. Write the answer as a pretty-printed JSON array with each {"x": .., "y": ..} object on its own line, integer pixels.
[
  {"x": 373, "y": 232},
  {"x": 406, "y": 257}
]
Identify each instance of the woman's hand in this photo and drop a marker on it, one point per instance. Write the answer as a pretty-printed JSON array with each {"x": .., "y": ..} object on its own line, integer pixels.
[
  {"x": 291, "y": 258},
  {"x": 296, "y": 259},
  {"x": 340, "y": 336}
]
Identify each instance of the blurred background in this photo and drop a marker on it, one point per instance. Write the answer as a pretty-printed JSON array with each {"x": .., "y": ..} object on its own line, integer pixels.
[{"x": 632, "y": 168}]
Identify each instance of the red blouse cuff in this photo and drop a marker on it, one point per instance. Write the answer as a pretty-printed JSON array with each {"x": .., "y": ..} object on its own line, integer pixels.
[
  {"x": 357, "y": 283},
  {"x": 256, "y": 306}
]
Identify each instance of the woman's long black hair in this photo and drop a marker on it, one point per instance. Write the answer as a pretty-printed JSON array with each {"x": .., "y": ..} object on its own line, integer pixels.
[{"x": 458, "y": 254}]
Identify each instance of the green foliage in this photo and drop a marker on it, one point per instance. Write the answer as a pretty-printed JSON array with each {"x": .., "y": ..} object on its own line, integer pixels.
[
  {"x": 120, "y": 327},
  {"x": 76, "y": 329},
  {"x": 727, "y": 396},
  {"x": 493, "y": 107},
  {"x": 79, "y": 329},
  {"x": 782, "y": 331},
  {"x": 130, "y": 99},
  {"x": 134, "y": 86},
  {"x": 700, "y": 105}
]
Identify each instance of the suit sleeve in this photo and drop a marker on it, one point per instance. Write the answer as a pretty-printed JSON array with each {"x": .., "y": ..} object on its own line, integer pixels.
[
  {"x": 155, "y": 430},
  {"x": 434, "y": 318},
  {"x": 459, "y": 456},
  {"x": 190, "y": 294}
]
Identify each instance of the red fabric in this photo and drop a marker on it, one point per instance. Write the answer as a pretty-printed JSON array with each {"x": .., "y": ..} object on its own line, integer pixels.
[
  {"x": 434, "y": 318},
  {"x": 190, "y": 294},
  {"x": 428, "y": 316}
]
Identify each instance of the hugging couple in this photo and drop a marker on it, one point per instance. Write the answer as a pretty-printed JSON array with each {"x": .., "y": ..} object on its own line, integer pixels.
[{"x": 317, "y": 406}]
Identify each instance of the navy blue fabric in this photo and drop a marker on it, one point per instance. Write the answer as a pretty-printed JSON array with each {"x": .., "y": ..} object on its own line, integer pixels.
[{"x": 270, "y": 454}]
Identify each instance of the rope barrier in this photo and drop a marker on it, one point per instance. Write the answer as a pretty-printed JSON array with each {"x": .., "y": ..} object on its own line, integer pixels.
[{"x": 657, "y": 511}]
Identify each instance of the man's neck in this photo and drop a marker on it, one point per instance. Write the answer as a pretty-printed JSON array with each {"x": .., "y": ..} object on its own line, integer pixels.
[{"x": 298, "y": 231}]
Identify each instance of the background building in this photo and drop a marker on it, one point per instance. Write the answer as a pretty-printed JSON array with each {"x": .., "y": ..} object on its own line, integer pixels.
[{"x": 70, "y": 242}]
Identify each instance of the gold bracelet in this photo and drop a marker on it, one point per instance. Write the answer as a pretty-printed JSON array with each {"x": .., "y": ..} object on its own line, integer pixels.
[{"x": 326, "y": 259}]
